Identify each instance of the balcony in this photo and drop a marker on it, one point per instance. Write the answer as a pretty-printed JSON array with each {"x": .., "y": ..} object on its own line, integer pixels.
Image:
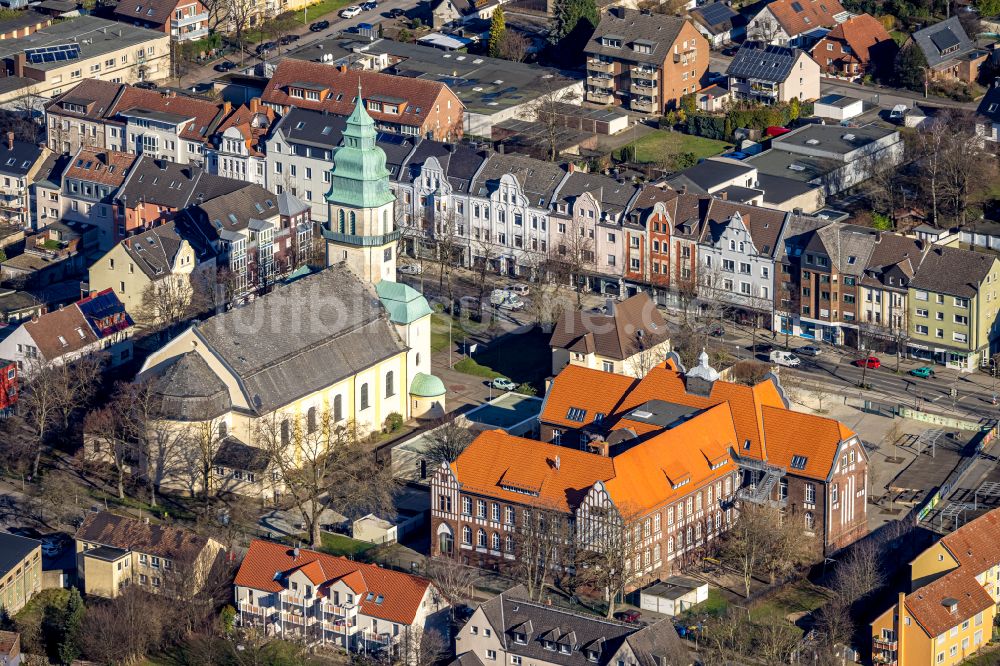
[
  {"x": 189, "y": 20},
  {"x": 685, "y": 56},
  {"x": 600, "y": 97},
  {"x": 340, "y": 627},
  {"x": 603, "y": 82},
  {"x": 192, "y": 34},
  {"x": 255, "y": 610},
  {"x": 643, "y": 71},
  {"x": 594, "y": 65},
  {"x": 644, "y": 105},
  {"x": 643, "y": 89},
  {"x": 378, "y": 638},
  {"x": 762, "y": 89},
  {"x": 343, "y": 610}
]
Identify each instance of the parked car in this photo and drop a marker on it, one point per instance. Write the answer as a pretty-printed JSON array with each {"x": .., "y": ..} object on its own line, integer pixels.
[
  {"x": 319, "y": 26},
  {"x": 224, "y": 66},
  {"x": 716, "y": 331},
  {"x": 630, "y": 616},
  {"x": 761, "y": 348},
  {"x": 504, "y": 384},
  {"x": 368, "y": 6},
  {"x": 396, "y": 12},
  {"x": 411, "y": 269},
  {"x": 808, "y": 350},
  {"x": 787, "y": 359},
  {"x": 350, "y": 12},
  {"x": 288, "y": 39},
  {"x": 924, "y": 372},
  {"x": 868, "y": 362},
  {"x": 145, "y": 85},
  {"x": 520, "y": 289},
  {"x": 265, "y": 47},
  {"x": 730, "y": 51}
]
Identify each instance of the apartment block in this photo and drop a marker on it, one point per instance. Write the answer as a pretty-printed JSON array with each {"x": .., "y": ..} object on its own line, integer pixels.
[
  {"x": 644, "y": 61},
  {"x": 20, "y": 571}
]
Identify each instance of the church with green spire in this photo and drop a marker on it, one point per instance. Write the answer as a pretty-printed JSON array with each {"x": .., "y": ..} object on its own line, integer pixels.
[{"x": 361, "y": 229}]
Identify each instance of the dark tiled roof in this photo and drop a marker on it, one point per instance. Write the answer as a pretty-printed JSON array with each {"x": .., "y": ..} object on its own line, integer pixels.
[
  {"x": 708, "y": 174},
  {"x": 538, "y": 179},
  {"x": 764, "y": 224},
  {"x": 763, "y": 63},
  {"x": 155, "y": 250},
  {"x": 989, "y": 105},
  {"x": 311, "y": 128},
  {"x": 235, "y": 210},
  {"x": 17, "y": 157},
  {"x": 173, "y": 185},
  {"x": 938, "y": 41},
  {"x": 234, "y": 454},
  {"x": 460, "y": 162},
  {"x": 188, "y": 390},
  {"x": 94, "y": 95},
  {"x": 173, "y": 543},
  {"x": 510, "y": 613},
  {"x": 13, "y": 549},
  {"x": 613, "y": 196},
  {"x": 303, "y": 336},
  {"x": 948, "y": 270},
  {"x": 631, "y": 25},
  {"x": 614, "y": 335},
  {"x": 150, "y": 11}
]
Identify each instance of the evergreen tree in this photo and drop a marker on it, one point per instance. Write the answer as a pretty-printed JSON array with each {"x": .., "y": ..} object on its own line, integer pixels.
[
  {"x": 72, "y": 619},
  {"x": 498, "y": 29},
  {"x": 910, "y": 65},
  {"x": 575, "y": 23}
]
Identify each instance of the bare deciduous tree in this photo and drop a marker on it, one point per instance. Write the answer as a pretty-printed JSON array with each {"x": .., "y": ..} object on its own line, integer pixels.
[
  {"x": 761, "y": 543},
  {"x": 610, "y": 546},
  {"x": 543, "y": 544},
  {"x": 448, "y": 440},
  {"x": 514, "y": 46}
]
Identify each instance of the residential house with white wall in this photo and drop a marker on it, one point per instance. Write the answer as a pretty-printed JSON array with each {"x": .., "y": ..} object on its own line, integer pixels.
[
  {"x": 238, "y": 149},
  {"x": 307, "y": 595}
]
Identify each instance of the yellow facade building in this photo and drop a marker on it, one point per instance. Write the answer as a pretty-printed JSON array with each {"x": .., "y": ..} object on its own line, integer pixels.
[
  {"x": 948, "y": 614},
  {"x": 20, "y": 571}
]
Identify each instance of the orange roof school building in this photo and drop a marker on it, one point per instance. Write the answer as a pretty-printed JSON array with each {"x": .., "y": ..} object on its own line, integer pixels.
[{"x": 670, "y": 453}]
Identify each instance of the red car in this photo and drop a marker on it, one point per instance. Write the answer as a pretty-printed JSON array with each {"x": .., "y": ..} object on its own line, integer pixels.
[
  {"x": 631, "y": 616},
  {"x": 868, "y": 362}
]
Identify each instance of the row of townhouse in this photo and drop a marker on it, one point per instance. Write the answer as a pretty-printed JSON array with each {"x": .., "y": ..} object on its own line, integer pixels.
[{"x": 667, "y": 457}]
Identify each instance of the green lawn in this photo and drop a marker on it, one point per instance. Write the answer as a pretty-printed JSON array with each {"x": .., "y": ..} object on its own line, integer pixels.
[
  {"x": 658, "y": 145},
  {"x": 338, "y": 544},
  {"x": 798, "y": 597},
  {"x": 470, "y": 367},
  {"x": 714, "y": 606},
  {"x": 35, "y": 608},
  {"x": 319, "y": 10},
  {"x": 440, "y": 324}
]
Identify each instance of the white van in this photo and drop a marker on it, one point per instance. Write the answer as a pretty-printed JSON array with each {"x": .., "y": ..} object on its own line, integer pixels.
[
  {"x": 506, "y": 299},
  {"x": 785, "y": 358}
]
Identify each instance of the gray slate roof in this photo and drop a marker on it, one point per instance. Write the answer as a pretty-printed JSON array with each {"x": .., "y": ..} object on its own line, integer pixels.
[
  {"x": 849, "y": 246},
  {"x": 938, "y": 41},
  {"x": 303, "y": 337},
  {"x": 989, "y": 105},
  {"x": 174, "y": 185},
  {"x": 155, "y": 251},
  {"x": 235, "y": 211},
  {"x": 613, "y": 196},
  {"x": 538, "y": 179},
  {"x": 17, "y": 158},
  {"x": 631, "y": 25},
  {"x": 708, "y": 174},
  {"x": 188, "y": 389},
  {"x": 289, "y": 204},
  {"x": 763, "y": 63},
  {"x": 460, "y": 162},
  {"x": 13, "y": 549},
  {"x": 948, "y": 270},
  {"x": 312, "y": 128},
  {"x": 234, "y": 454},
  {"x": 509, "y": 613}
]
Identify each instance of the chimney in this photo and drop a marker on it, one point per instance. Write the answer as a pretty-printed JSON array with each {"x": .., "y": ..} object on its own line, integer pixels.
[
  {"x": 295, "y": 554},
  {"x": 797, "y": 211},
  {"x": 342, "y": 68},
  {"x": 684, "y": 189},
  {"x": 255, "y": 105},
  {"x": 500, "y": 148},
  {"x": 19, "y": 61},
  {"x": 10, "y": 141},
  {"x": 724, "y": 195},
  {"x": 227, "y": 108},
  {"x": 571, "y": 167},
  {"x": 609, "y": 305},
  {"x": 556, "y": 462},
  {"x": 601, "y": 448}
]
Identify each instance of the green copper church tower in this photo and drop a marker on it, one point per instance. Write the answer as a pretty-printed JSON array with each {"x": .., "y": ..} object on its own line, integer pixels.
[{"x": 361, "y": 230}]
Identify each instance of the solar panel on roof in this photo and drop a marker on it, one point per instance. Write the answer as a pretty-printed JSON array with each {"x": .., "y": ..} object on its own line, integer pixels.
[
  {"x": 717, "y": 13},
  {"x": 60, "y": 52}
]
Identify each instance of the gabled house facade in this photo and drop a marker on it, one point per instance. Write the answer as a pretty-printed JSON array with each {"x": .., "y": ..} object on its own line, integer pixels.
[
  {"x": 183, "y": 20},
  {"x": 238, "y": 149},
  {"x": 94, "y": 325},
  {"x": 20, "y": 161},
  {"x": 114, "y": 552},
  {"x": 90, "y": 188},
  {"x": 946, "y": 614},
  {"x": 769, "y": 74},
  {"x": 298, "y": 593},
  {"x": 736, "y": 255},
  {"x": 511, "y": 629},
  {"x": 858, "y": 46},
  {"x": 795, "y": 23},
  {"x": 952, "y": 308},
  {"x": 950, "y": 53}
]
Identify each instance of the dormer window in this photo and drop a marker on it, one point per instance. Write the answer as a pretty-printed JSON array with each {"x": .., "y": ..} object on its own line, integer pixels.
[
  {"x": 565, "y": 648},
  {"x": 592, "y": 655},
  {"x": 612, "y": 41},
  {"x": 520, "y": 638},
  {"x": 549, "y": 645},
  {"x": 295, "y": 92}
]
